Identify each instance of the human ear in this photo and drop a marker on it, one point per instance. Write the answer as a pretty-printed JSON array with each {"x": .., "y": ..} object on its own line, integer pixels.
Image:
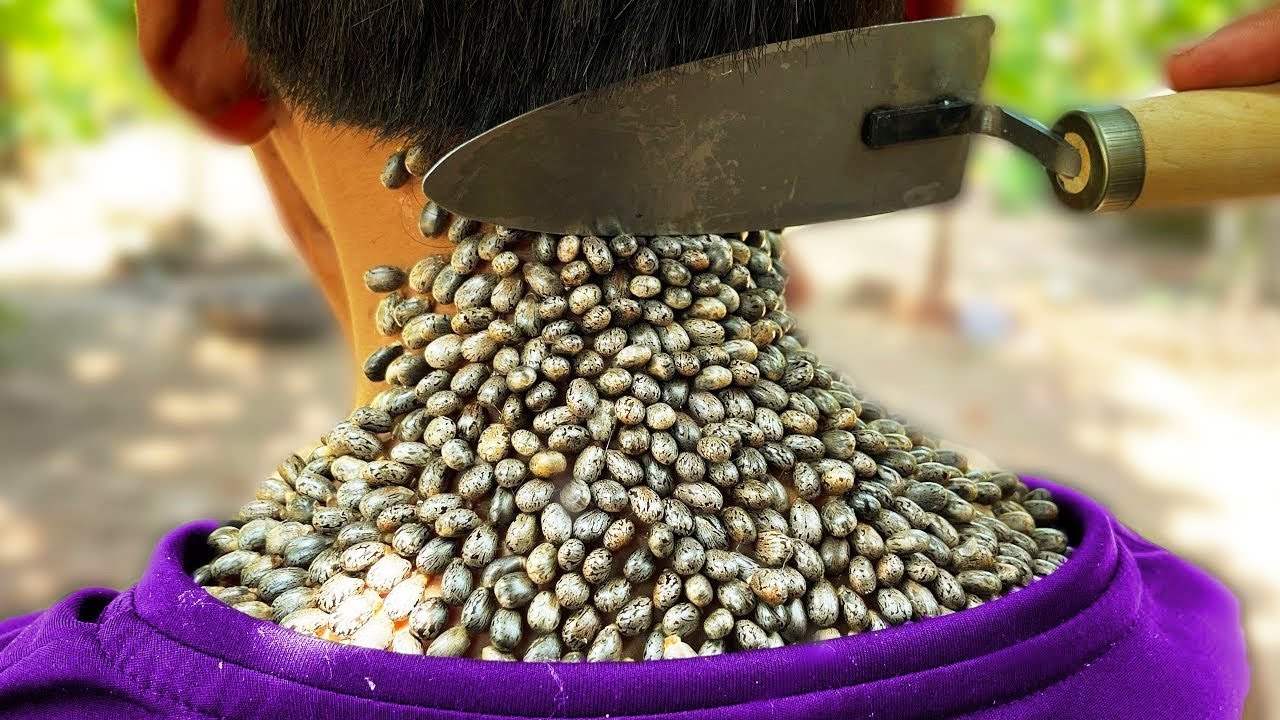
[{"x": 190, "y": 49}]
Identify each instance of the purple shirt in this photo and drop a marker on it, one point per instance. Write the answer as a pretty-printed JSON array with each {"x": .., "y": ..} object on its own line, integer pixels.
[{"x": 1122, "y": 630}]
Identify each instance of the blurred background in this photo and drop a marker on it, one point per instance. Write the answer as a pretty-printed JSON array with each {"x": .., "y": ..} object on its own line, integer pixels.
[{"x": 161, "y": 348}]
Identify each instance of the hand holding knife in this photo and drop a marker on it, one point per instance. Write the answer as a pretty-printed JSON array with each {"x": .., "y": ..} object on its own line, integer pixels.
[{"x": 844, "y": 125}]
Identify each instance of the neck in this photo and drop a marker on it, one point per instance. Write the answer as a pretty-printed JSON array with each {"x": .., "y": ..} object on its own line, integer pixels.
[{"x": 341, "y": 235}]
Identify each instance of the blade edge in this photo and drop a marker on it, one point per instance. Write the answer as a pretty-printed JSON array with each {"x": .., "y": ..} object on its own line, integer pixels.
[{"x": 542, "y": 149}]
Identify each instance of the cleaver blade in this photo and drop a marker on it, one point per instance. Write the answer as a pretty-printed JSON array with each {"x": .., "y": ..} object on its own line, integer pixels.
[{"x": 769, "y": 139}]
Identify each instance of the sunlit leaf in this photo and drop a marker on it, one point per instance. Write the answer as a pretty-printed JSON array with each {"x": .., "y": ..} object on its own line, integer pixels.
[{"x": 70, "y": 68}]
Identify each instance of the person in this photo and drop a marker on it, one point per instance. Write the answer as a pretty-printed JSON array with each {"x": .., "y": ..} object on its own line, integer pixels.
[
  {"x": 1240, "y": 54},
  {"x": 323, "y": 96}
]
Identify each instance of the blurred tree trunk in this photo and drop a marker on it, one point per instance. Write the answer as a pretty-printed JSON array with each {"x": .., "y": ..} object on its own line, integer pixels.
[
  {"x": 1270, "y": 262},
  {"x": 934, "y": 306},
  {"x": 8, "y": 136},
  {"x": 16, "y": 158},
  {"x": 9, "y": 165},
  {"x": 1236, "y": 249}
]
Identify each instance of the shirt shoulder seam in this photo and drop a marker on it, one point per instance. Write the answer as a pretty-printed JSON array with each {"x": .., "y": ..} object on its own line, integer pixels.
[
  {"x": 1049, "y": 683},
  {"x": 117, "y": 661}
]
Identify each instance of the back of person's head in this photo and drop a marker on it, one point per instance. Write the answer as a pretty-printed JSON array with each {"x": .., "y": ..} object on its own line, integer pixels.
[
  {"x": 326, "y": 91},
  {"x": 435, "y": 72}
]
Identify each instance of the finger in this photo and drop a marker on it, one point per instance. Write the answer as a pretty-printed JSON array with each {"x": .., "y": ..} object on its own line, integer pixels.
[{"x": 1246, "y": 52}]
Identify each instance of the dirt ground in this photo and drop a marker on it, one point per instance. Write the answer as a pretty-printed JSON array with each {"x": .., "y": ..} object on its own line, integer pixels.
[{"x": 125, "y": 415}]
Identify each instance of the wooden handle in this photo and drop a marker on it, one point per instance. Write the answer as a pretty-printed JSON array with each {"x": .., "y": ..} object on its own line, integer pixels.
[{"x": 1175, "y": 150}]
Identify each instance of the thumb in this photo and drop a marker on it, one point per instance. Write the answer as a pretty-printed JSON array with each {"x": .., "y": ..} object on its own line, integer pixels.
[{"x": 1246, "y": 52}]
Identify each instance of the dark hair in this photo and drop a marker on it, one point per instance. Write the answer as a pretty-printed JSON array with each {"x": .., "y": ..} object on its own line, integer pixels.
[{"x": 438, "y": 71}]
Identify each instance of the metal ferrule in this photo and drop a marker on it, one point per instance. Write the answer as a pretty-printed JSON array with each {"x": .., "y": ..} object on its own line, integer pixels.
[{"x": 1115, "y": 160}]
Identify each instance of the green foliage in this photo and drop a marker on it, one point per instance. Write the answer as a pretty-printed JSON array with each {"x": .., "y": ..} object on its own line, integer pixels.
[
  {"x": 1053, "y": 55},
  {"x": 68, "y": 68}
]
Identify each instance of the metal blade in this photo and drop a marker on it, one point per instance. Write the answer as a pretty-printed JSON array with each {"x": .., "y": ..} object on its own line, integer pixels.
[{"x": 715, "y": 146}]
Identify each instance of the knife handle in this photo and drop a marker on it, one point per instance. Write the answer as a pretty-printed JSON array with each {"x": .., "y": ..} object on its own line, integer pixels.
[{"x": 1175, "y": 150}]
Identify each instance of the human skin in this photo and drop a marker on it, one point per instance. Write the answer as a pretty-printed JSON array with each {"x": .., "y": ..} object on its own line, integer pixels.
[
  {"x": 1246, "y": 52},
  {"x": 323, "y": 179},
  {"x": 342, "y": 220}
]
